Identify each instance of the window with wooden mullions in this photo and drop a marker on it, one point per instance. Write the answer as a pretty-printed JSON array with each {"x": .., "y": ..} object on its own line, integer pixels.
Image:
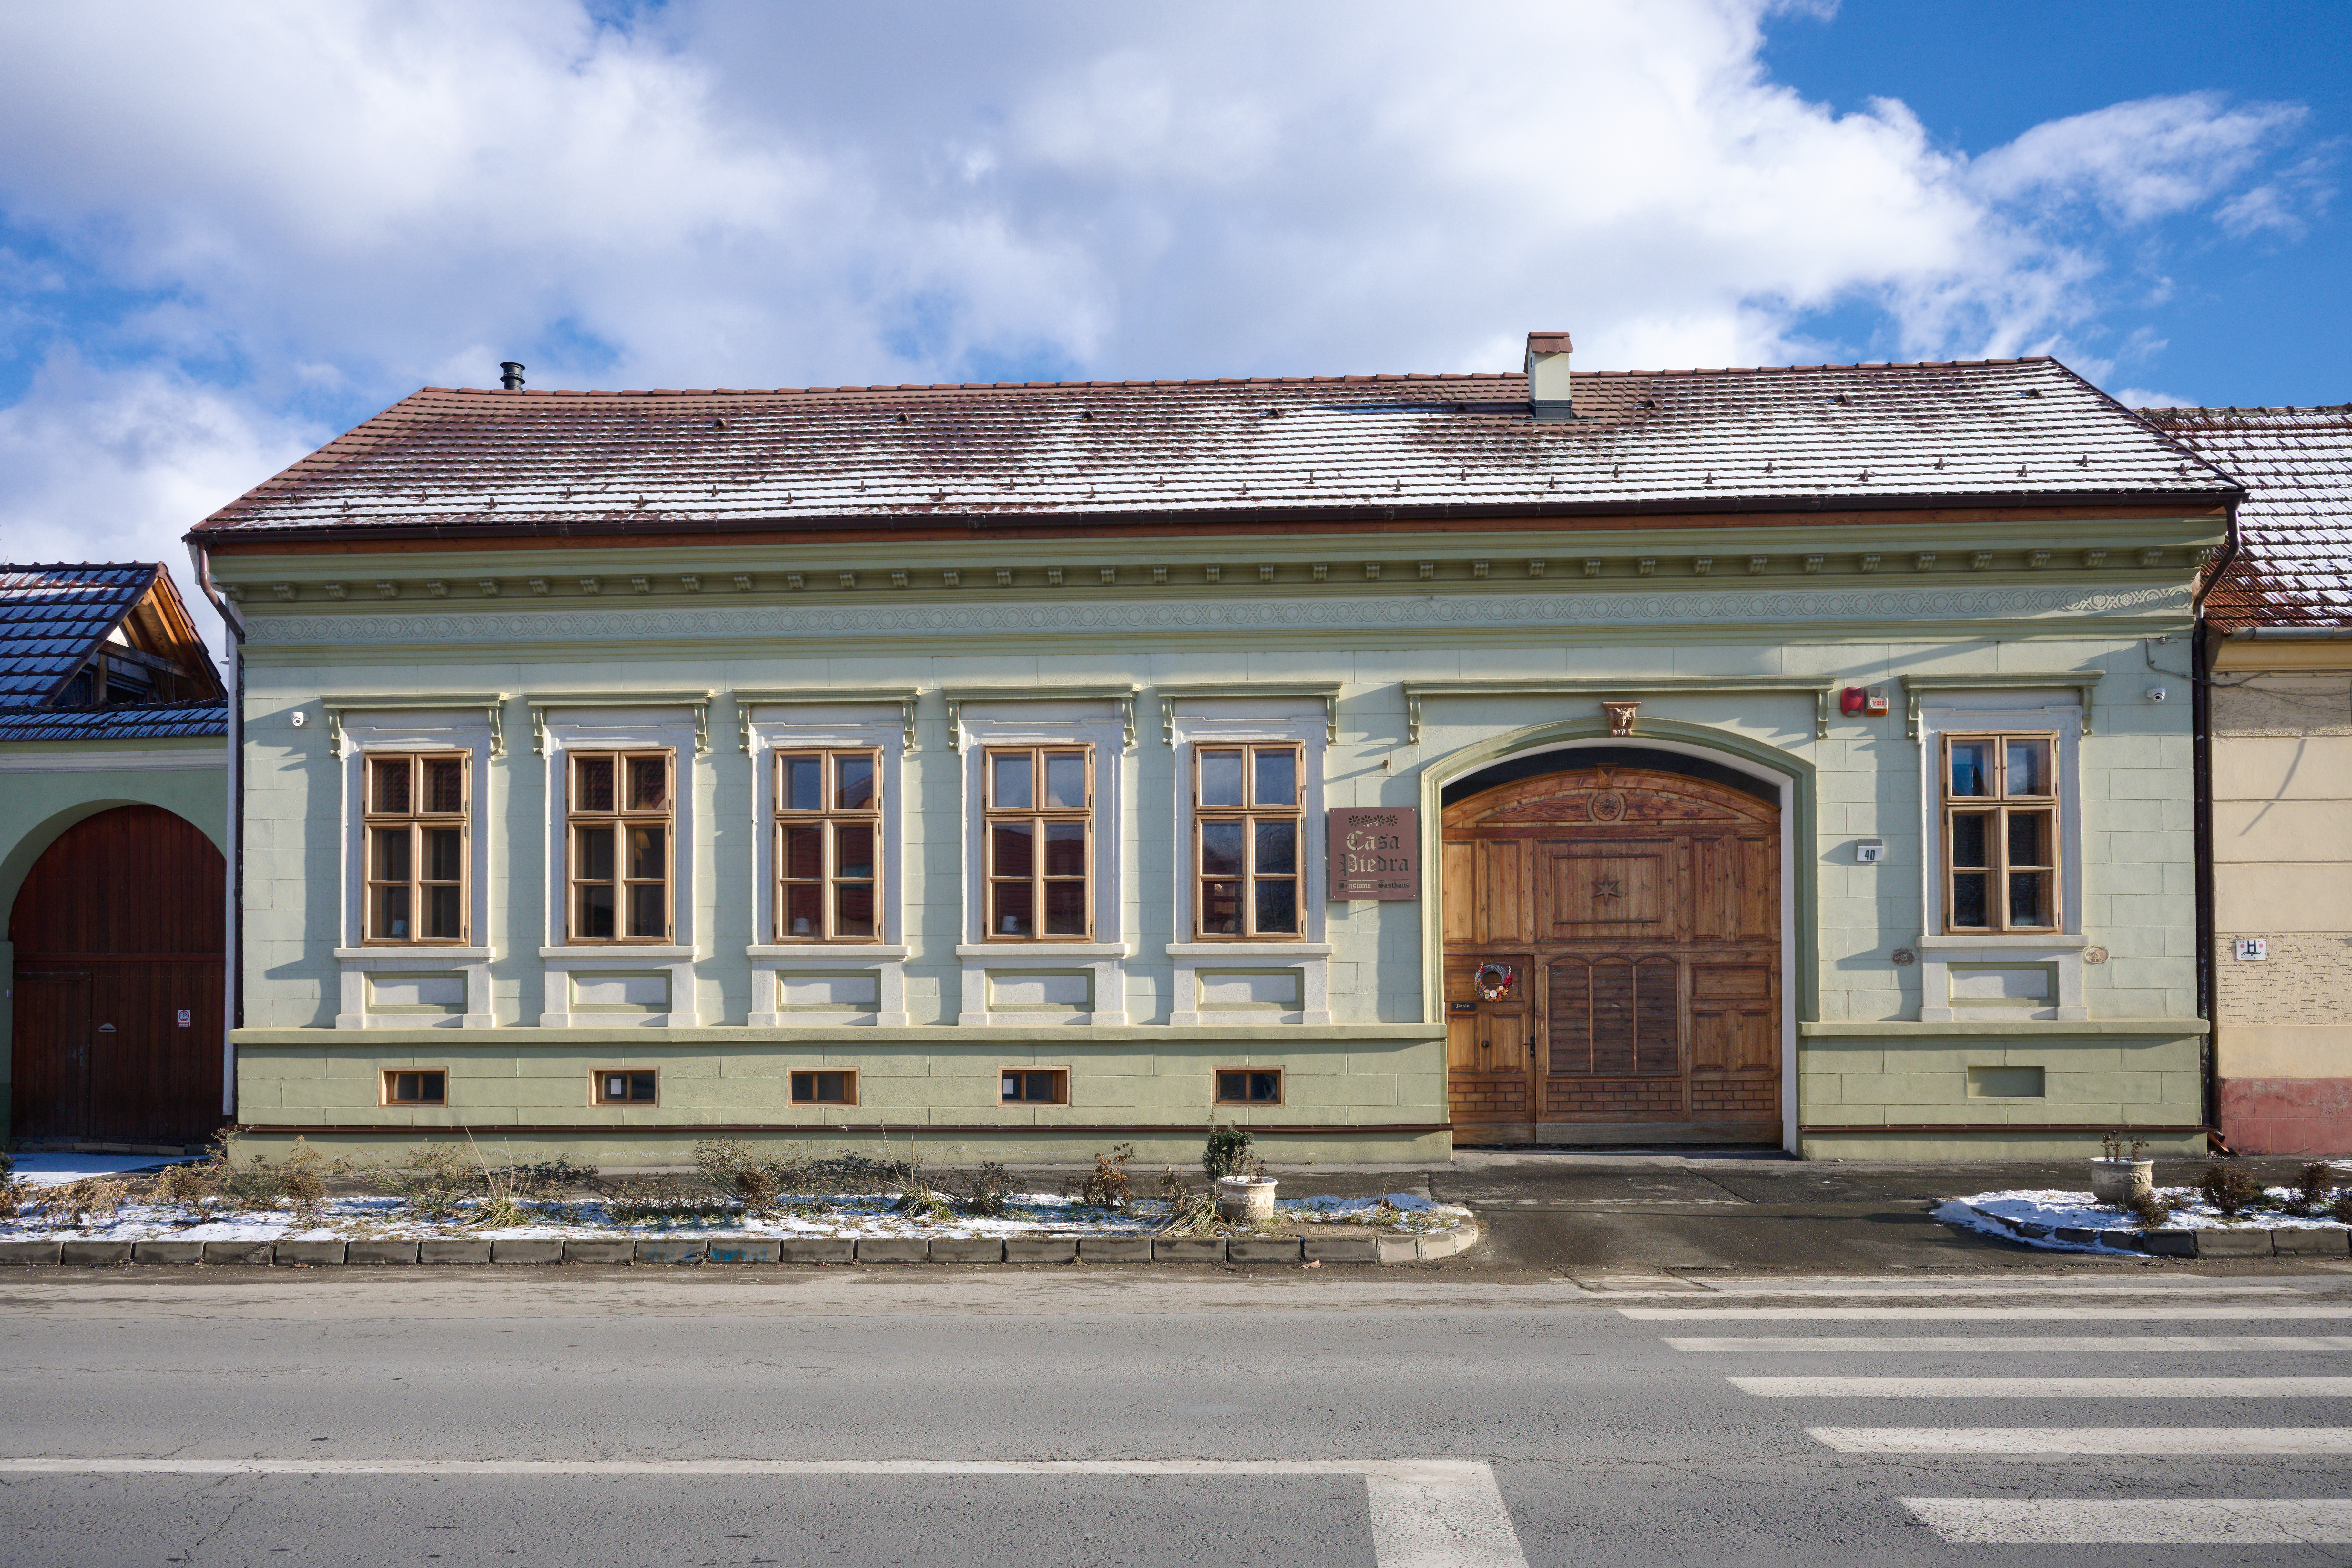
[
  {"x": 825, "y": 1087},
  {"x": 623, "y": 813},
  {"x": 1040, "y": 827},
  {"x": 415, "y": 826},
  {"x": 1249, "y": 1086},
  {"x": 1035, "y": 1086},
  {"x": 2001, "y": 833},
  {"x": 419, "y": 1086},
  {"x": 828, "y": 846},
  {"x": 626, "y": 1086},
  {"x": 1246, "y": 827}
]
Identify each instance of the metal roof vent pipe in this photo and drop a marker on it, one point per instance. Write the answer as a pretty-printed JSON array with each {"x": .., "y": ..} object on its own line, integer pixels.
[
  {"x": 1548, "y": 375},
  {"x": 511, "y": 373}
]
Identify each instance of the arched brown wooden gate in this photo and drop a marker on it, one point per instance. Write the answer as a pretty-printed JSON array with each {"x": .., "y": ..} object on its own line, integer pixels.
[
  {"x": 119, "y": 934},
  {"x": 1612, "y": 959}
]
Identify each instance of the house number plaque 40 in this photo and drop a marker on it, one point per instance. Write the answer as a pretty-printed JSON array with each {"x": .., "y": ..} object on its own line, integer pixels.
[{"x": 1375, "y": 852}]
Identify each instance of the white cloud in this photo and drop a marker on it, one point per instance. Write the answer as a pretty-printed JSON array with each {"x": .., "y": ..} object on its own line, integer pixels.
[
  {"x": 341, "y": 202},
  {"x": 98, "y": 466}
]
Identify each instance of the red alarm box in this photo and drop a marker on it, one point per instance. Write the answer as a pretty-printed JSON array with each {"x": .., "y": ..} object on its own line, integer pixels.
[{"x": 1868, "y": 700}]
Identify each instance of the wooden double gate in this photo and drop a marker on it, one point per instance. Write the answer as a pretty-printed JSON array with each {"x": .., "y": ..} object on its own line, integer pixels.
[
  {"x": 1613, "y": 961},
  {"x": 119, "y": 937}
]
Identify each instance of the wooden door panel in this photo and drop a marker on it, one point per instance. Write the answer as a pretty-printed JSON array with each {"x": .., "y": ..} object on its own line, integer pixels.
[
  {"x": 1506, "y": 911},
  {"x": 1610, "y": 888},
  {"x": 1737, "y": 888},
  {"x": 1734, "y": 1018},
  {"x": 1487, "y": 1049},
  {"x": 50, "y": 1017}
]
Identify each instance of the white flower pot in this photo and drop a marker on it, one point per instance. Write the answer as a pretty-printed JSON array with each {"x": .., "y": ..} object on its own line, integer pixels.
[
  {"x": 1246, "y": 1200},
  {"x": 2117, "y": 1183}
]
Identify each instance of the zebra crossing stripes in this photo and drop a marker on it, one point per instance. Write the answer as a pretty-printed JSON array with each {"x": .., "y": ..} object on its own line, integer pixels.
[
  {"x": 2138, "y": 1522},
  {"x": 2083, "y": 1442},
  {"x": 2011, "y": 1520},
  {"x": 2016, "y": 1344}
]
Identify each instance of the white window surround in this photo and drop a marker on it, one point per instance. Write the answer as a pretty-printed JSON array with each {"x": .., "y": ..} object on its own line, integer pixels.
[
  {"x": 826, "y": 972},
  {"x": 594, "y": 723},
  {"x": 2012, "y": 974},
  {"x": 462, "y": 725},
  {"x": 1301, "y": 720},
  {"x": 1096, "y": 970}
]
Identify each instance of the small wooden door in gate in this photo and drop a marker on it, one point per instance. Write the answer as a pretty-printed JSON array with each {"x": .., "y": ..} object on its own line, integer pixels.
[{"x": 1613, "y": 961}]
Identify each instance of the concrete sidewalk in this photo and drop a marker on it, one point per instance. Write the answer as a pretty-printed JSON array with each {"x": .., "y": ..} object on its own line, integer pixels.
[{"x": 1548, "y": 1212}]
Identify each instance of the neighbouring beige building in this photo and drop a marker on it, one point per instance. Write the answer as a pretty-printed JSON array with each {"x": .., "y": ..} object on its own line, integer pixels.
[{"x": 2277, "y": 656}]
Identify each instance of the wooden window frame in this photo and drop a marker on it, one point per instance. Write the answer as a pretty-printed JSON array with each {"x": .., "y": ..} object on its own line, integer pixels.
[
  {"x": 597, "y": 1075},
  {"x": 618, "y": 821},
  {"x": 415, "y": 822},
  {"x": 1038, "y": 814},
  {"x": 1217, "y": 1086},
  {"x": 826, "y": 819},
  {"x": 1249, "y": 815},
  {"x": 384, "y": 1080},
  {"x": 1061, "y": 1077},
  {"x": 1997, "y": 808},
  {"x": 793, "y": 1086}
]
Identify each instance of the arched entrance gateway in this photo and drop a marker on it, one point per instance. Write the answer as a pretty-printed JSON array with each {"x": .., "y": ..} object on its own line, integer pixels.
[
  {"x": 1613, "y": 948},
  {"x": 119, "y": 933}
]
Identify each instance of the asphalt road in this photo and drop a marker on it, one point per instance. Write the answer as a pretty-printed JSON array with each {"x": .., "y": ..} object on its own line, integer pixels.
[{"x": 1403, "y": 1420}]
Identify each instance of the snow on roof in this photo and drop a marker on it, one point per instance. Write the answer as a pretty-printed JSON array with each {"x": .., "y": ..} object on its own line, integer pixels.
[{"x": 446, "y": 462}]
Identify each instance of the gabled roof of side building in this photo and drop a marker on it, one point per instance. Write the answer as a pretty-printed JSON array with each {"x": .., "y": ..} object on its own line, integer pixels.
[
  {"x": 460, "y": 463},
  {"x": 54, "y": 616},
  {"x": 2295, "y": 562}
]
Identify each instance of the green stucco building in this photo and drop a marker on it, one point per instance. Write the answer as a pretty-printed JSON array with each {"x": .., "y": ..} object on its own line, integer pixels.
[{"x": 1382, "y": 762}]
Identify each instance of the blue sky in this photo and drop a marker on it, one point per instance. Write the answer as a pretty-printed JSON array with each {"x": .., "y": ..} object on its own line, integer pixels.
[
  {"x": 2258, "y": 321},
  {"x": 229, "y": 231}
]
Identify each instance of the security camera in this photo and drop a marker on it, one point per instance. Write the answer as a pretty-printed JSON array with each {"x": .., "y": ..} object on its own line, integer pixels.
[{"x": 2157, "y": 694}]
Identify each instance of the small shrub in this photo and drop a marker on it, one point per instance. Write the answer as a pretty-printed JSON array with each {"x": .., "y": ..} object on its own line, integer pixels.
[
  {"x": 648, "y": 1203},
  {"x": 79, "y": 1202},
  {"x": 854, "y": 1175},
  {"x": 727, "y": 1167},
  {"x": 2153, "y": 1210},
  {"x": 1227, "y": 1152},
  {"x": 2341, "y": 1209},
  {"x": 1107, "y": 1186},
  {"x": 1189, "y": 1213},
  {"x": 2314, "y": 1185},
  {"x": 985, "y": 1189},
  {"x": 189, "y": 1182},
  {"x": 2232, "y": 1189},
  {"x": 2123, "y": 1145},
  {"x": 920, "y": 1203}
]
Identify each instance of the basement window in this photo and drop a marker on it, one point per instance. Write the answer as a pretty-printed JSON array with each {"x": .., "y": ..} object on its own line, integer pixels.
[
  {"x": 1035, "y": 1086},
  {"x": 825, "y": 1089},
  {"x": 1249, "y": 1086},
  {"x": 2005, "y": 1083},
  {"x": 405, "y": 1085},
  {"x": 626, "y": 1086}
]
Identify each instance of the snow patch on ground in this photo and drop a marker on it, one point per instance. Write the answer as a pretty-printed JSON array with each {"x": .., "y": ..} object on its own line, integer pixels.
[
  {"x": 2080, "y": 1211},
  {"x": 367, "y": 1218},
  {"x": 57, "y": 1170}
]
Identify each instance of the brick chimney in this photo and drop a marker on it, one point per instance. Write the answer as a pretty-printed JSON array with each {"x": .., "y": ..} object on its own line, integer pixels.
[{"x": 1548, "y": 375}]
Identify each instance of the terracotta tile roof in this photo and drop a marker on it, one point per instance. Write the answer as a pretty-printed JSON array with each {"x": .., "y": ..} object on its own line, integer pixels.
[
  {"x": 51, "y": 615},
  {"x": 1039, "y": 455},
  {"x": 2294, "y": 564},
  {"x": 167, "y": 721}
]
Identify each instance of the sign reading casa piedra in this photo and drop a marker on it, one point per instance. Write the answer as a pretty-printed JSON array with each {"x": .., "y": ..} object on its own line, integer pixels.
[{"x": 1375, "y": 852}]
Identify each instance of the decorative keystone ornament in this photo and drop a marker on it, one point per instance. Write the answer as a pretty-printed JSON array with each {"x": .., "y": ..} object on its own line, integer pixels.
[{"x": 1621, "y": 716}]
